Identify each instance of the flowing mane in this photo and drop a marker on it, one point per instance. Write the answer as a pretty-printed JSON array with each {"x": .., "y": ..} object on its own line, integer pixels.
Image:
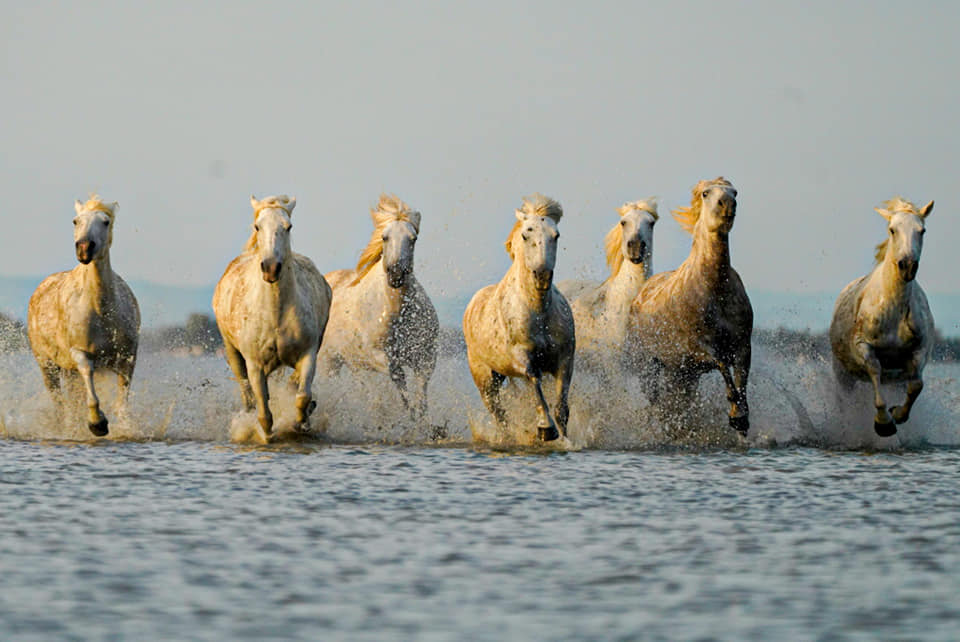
[
  {"x": 281, "y": 201},
  {"x": 614, "y": 240},
  {"x": 534, "y": 205},
  {"x": 388, "y": 209},
  {"x": 687, "y": 217},
  {"x": 894, "y": 205}
]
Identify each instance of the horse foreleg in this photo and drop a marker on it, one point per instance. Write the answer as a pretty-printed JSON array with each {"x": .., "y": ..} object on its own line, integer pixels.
[
  {"x": 258, "y": 379},
  {"x": 564, "y": 376},
  {"x": 96, "y": 421},
  {"x": 546, "y": 428},
  {"x": 399, "y": 379},
  {"x": 489, "y": 384},
  {"x": 423, "y": 380},
  {"x": 914, "y": 388},
  {"x": 735, "y": 378},
  {"x": 882, "y": 421},
  {"x": 239, "y": 368},
  {"x": 305, "y": 372}
]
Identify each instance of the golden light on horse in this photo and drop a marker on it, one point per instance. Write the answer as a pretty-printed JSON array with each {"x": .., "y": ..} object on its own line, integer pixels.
[
  {"x": 271, "y": 306},
  {"x": 522, "y": 326},
  {"x": 697, "y": 318},
  {"x": 882, "y": 329},
  {"x": 382, "y": 318},
  {"x": 87, "y": 318}
]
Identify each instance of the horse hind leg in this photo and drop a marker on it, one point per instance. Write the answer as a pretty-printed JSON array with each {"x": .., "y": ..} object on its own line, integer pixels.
[
  {"x": 96, "y": 421},
  {"x": 489, "y": 384},
  {"x": 564, "y": 376}
]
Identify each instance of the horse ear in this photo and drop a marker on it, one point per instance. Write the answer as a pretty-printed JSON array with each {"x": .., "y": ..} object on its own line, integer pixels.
[
  {"x": 254, "y": 203},
  {"x": 112, "y": 207},
  {"x": 926, "y": 209},
  {"x": 78, "y": 206},
  {"x": 291, "y": 203},
  {"x": 884, "y": 213},
  {"x": 414, "y": 219},
  {"x": 520, "y": 215}
]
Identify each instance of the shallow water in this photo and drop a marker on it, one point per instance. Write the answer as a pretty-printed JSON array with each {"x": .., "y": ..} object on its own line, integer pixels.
[{"x": 380, "y": 529}]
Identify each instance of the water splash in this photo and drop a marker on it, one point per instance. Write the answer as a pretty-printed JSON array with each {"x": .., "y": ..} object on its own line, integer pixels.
[{"x": 793, "y": 400}]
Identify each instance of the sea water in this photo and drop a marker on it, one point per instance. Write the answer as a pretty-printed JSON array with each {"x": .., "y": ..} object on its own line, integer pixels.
[{"x": 181, "y": 526}]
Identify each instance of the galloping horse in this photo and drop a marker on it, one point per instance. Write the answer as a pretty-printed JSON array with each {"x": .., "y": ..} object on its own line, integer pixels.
[
  {"x": 381, "y": 318},
  {"x": 522, "y": 326},
  {"x": 601, "y": 310},
  {"x": 697, "y": 318},
  {"x": 86, "y": 318},
  {"x": 882, "y": 329},
  {"x": 272, "y": 306}
]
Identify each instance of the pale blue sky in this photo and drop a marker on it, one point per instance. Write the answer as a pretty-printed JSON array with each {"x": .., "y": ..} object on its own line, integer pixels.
[{"x": 816, "y": 112}]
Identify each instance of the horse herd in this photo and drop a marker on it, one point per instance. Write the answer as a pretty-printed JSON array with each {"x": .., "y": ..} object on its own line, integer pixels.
[{"x": 274, "y": 308}]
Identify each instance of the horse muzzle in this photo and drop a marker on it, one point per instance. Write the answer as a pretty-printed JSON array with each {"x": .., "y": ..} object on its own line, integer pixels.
[
  {"x": 908, "y": 269},
  {"x": 542, "y": 279},
  {"x": 636, "y": 251},
  {"x": 85, "y": 250},
  {"x": 271, "y": 270},
  {"x": 397, "y": 276}
]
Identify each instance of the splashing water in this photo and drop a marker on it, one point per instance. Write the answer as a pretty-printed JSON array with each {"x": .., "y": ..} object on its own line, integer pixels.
[{"x": 793, "y": 400}]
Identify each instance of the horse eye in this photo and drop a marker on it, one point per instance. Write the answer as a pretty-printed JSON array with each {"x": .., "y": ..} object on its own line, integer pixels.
[
  {"x": 622, "y": 222},
  {"x": 923, "y": 231},
  {"x": 891, "y": 231},
  {"x": 256, "y": 228},
  {"x": 383, "y": 237},
  {"x": 76, "y": 222},
  {"x": 705, "y": 192},
  {"x": 525, "y": 237}
]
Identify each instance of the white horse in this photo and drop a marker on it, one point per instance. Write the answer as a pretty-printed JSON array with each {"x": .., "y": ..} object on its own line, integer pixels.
[
  {"x": 86, "y": 318},
  {"x": 271, "y": 306},
  {"x": 697, "y": 318},
  {"x": 381, "y": 318},
  {"x": 601, "y": 310},
  {"x": 882, "y": 329},
  {"x": 522, "y": 326}
]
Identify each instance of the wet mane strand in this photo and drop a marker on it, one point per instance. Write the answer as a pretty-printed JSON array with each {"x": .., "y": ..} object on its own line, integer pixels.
[
  {"x": 613, "y": 242},
  {"x": 687, "y": 217},
  {"x": 534, "y": 205},
  {"x": 388, "y": 209},
  {"x": 894, "y": 205}
]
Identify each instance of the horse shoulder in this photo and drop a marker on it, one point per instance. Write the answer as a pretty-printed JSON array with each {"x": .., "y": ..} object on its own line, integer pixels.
[{"x": 476, "y": 317}]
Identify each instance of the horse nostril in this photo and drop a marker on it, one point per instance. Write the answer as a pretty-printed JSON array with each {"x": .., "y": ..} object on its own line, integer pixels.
[
  {"x": 263, "y": 266},
  {"x": 902, "y": 264}
]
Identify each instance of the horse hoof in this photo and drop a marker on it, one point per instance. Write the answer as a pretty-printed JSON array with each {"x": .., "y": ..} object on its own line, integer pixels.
[
  {"x": 885, "y": 430},
  {"x": 548, "y": 434},
  {"x": 741, "y": 424},
  {"x": 899, "y": 414},
  {"x": 99, "y": 428}
]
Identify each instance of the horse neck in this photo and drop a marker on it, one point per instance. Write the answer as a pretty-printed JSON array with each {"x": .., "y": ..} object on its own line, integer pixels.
[
  {"x": 390, "y": 298},
  {"x": 97, "y": 280},
  {"x": 623, "y": 286},
  {"x": 519, "y": 281},
  {"x": 887, "y": 277},
  {"x": 710, "y": 256},
  {"x": 275, "y": 297}
]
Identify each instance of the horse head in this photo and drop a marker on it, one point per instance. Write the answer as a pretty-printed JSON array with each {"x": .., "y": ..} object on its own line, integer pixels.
[
  {"x": 271, "y": 229},
  {"x": 399, "y": 238},
  {"x": 718, "y": 204},
  {"x": 93, "y": 228},
  {"x": 905, "y": 229},
  {"x": 636, "y": 230},
  {"x": 538, "y": 237}
]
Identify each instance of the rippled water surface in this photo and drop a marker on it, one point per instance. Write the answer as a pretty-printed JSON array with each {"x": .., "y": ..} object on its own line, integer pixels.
[
  {"x": 188, "y": 540},
  {"x": 380, "y": 528}
]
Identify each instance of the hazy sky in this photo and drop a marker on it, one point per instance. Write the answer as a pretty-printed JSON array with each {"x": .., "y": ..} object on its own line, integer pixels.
[{"x": 179, "y": 111}]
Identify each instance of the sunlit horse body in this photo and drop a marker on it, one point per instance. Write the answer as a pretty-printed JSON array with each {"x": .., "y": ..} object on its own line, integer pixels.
[
  {"x": 697, "y": 318},
  {"x": 523, "y": 326},
  {"x": 882, "y": 329},
  {"x": 271, "y": 306},
  {"x": 601, "y": 310},
  {"x": 381, "y": 318},
  {"x": 86, "y": 318}
]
